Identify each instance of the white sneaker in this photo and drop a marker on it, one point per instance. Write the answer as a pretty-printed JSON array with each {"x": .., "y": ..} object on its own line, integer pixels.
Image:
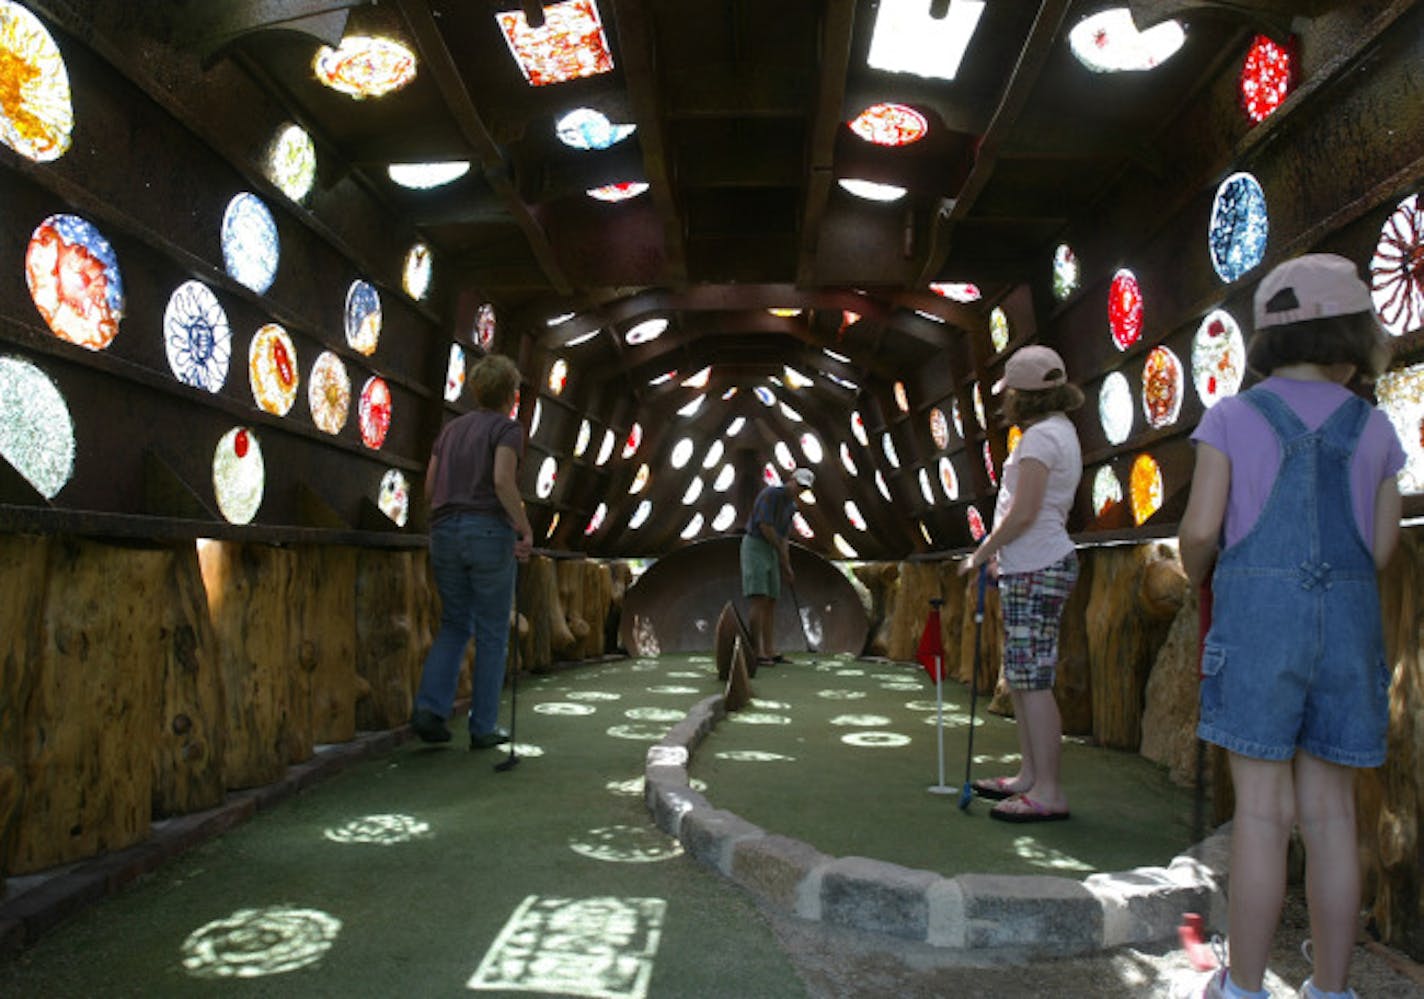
[{"x": 1309, "y": 991}]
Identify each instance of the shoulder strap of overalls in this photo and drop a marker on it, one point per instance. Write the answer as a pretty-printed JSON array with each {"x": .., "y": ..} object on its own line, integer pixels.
[
  {"x": 1277, "y": 413},
  {"x": 1344, "y": 426}
]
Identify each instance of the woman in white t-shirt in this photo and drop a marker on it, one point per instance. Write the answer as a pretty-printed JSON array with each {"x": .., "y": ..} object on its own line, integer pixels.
[{"x": 1037, "y": 567}]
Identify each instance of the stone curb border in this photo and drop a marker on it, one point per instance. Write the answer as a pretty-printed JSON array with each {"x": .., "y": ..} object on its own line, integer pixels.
[
  {"x": 34, "y": 904},
  {"x": 1038, "y": 915}
]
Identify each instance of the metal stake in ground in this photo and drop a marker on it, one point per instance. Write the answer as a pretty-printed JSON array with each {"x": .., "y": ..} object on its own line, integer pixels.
[
  {"x": 967, "y": 794},
  {"x": 509, "y": 762}
]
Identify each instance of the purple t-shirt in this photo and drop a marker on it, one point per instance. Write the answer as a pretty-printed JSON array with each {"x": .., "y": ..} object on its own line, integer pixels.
[
  {"x": 464, "y": 463},
  {"x": 1236, "y": 429}
]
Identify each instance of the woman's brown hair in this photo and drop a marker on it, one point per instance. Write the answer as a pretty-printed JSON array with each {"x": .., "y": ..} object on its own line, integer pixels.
[
  {"x": 493, "y": 381},
  {"x": 1356, "y": 339}
]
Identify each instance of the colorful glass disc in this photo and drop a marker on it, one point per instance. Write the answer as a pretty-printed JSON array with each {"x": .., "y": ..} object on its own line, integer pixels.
[
  {"x": 73, "y": 276},
  {"x": 197, "y": 337},
  {"x": 36, "y": 114},
  {"x": 1239, "y": 226},
  {"x": 1162, "y": 388},
  {"x": 1397, "y": 269},
  {"x": 1267, "y": 78},
  {"x": 890, "y": 125},
  {"x": 238, "y": 475},
  {"x": 394, "y": 496},
  {"x": 375, "y": 412},
  {"x": 363, "y": 317},
  {"x": 570, "y": 45},
  {"x": 364, "y": 66},
  {"x": 272, "y": 370},
  {"x": 1218, "y": 358},
  {"x": 36, "y": 429},
  {"x": 1125, "y": 309},
  {"x": 329, "y": 393}
]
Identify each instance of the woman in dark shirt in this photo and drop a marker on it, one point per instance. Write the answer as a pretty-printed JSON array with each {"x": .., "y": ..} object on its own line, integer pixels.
[{"x": 478, "y": 529}]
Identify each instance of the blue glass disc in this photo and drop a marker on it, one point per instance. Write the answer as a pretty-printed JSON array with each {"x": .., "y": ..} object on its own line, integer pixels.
[{"x": 1239, "y": 227}]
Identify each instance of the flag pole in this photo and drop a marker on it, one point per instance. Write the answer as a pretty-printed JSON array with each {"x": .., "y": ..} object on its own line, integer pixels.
[{"x": 941, "y": 787}]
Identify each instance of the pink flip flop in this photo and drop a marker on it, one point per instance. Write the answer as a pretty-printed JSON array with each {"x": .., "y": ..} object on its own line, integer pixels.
[
  {"x": 1031, "y": 812},
  {"x": 993, "y": 788}
]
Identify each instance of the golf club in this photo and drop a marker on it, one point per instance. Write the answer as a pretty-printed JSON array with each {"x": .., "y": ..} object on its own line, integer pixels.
[
  {"x": 510, "y": 761},
  {"x": 801, "y": 621},
  {"x": 967, "y": 794}
]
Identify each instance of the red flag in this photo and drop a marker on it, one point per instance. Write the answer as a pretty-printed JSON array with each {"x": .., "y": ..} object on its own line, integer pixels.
[{"x": 930, "y": 654}]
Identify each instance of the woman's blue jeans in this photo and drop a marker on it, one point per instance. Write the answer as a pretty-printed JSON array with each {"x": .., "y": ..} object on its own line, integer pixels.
[{"x": 472, "y": 556}]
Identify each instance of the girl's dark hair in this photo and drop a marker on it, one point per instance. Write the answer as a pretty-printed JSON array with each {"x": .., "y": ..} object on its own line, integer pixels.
[
  {"x": 1355, "y": 339},
  {"x": 493, "y": 381},
  {"x": 1022, "y": 404}
]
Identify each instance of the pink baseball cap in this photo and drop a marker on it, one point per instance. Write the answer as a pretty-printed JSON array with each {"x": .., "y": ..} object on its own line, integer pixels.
[
  {"x": 1032, "y": 369},
  {"x": 1313, "y": 286}
]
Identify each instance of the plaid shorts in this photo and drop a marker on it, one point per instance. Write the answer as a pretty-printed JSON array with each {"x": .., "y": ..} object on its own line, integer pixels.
[{"x": 1033, "y": 609}]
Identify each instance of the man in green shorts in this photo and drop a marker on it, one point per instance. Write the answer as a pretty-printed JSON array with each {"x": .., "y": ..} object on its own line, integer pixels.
[{"x": 766, "y": 555}]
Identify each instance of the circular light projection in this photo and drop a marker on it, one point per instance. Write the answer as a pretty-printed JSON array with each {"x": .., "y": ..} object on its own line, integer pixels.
[
  {"x": 1115, "y": 407},
  {"x": 622, "y": 191},
  {"x": 875, "y": 740},
  {"x": 998, "y": 329},
  {"x": 1125, "y": 309},
  {"x": 881, "y": 487},
  {"x": 844, "y": 547},
  {"x": 693, "y": 528},
  {"x": 888, "y": 446},
  {"x": 585, "y": 128},
  {"x": 939, "y": 428},
  {"x": 790, "y": 413},
  {"x": 682, "y": 452},
  {"x": 633, "y": 441},
  {"x": 713, "y": 455},
  {"x": 196, "y": 337},
  {"x": 725, "y": 518},
  {"x": 425, "y": 176},
  {"x": 1107, "y": 490},
  {"x": 1239, "y": 226},
  {"x": 648, "y": 329},
  {"x": 1397, "y": 269},
  {"x": 1218, "y": 358},
  {"x": 238, "y": 475},
  {"x": 857, "y": 428},
  {"x": 36, "y": 114},
  {"x": 415, "y": 273},
  {"x": 869, "y": 190},
  {"x": 329, "y": 393},
  {"x": 1145, "y": 486},
  {"x": 291, "y": 162},
  {"x": 948, "y": 480},
  {"x": 1109, "y": 42},
  {"x": 375, "y": 412},
  {"x": 926, "y": 490},
  {"x": 1267, "y": 78},
  {"x": 394, "y": 496},
  {"x": 605, "y": 449},
  {"x": 250, "y": 246},
  {"x": 783, "y": 455},
  {"x": 989, "y": 465},
  {"x": 811, "y": 448},
  {"x": 976, "y": 524},
  {"x": 979, "y": 416},
  {"x": 272, "y": 370},
  {"x": 596, "y": 521},
  {"x": 725, "y": 477},
  {"x": 890, "y": 125},
  {"x": 764, "y": 395},
  {"x": 379, "y": 830},
  {"x": 585, "y": 435},
  {"x": 957, "y": 291},
  {"x": 902, "y": 400},
  {"x": 640, "y": 480},
  {"x": 735, "y": 427},
  {"x": 548, "y": 473},
  {"x": 363, "y": 317},
  {"x": 640, "y": 515},
  {"x": 253, "y": 943},
  {"x": 558, "y": 376},
  {"x": 853, "y": 515},
  {"x": 692, "y": 408},
  {"x": 364, "y": 66},
  {"x": 848, "y": 461},
  {"x": 73, "y": 276},
  {"x": 1066, "y": 274},
  {"x": 802, "y": 527},
  {"x": 1401, "y": 396},
  {"x": 1162, "y": 388},
  {"x": 486, "y": 325},
  {"x": 694, "y": 490},
  {"x": 36, "y": 429},
  {"x": 455, "y": 373}
]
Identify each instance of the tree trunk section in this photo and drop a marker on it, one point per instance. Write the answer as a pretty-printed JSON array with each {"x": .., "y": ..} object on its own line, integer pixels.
[{"x": 24, "y": 566}]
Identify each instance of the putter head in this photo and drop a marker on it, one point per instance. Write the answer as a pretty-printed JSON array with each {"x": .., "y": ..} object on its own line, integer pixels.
[{"x": 507, "y": 763}]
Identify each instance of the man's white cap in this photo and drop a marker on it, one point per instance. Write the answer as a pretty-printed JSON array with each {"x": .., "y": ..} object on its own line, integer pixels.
[
  {"x": 803, "y": 477},
  {"x": 1315, "y": 286}
]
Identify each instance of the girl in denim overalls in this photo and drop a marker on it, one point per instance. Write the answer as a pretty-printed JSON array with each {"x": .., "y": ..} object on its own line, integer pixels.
[{"x": 1295, "y": 684}]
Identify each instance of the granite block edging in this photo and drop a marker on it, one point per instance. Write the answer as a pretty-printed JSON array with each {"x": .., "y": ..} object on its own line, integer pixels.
[{"x": 1037, "y": 914}]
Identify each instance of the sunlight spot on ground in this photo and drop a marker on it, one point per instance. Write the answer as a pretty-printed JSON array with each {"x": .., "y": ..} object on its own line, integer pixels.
[
  {"x": 655, "y": 714},
  {"x": 594, "y": 695},
  {"x": 876, "y": 740},
  {"x": 758, "y": 718},
  {"x": 382, "y": 830},
  {"x": 252, "y": 943},
  {"x": 750, "y": 756},
  {"x": 860, "y": 721},
  {"x": 563, "y": 708},
  {"x": 672, "y": 688},
  {"x": 625, "y": 845},
  {"x": 1039, "y": 855},
  {"x": 841, "y": 695},
  {"x": 642, "y": 733}
]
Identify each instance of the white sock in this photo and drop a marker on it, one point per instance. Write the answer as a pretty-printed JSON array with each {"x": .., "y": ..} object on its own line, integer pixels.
[{"x": 1237, "y": 992}]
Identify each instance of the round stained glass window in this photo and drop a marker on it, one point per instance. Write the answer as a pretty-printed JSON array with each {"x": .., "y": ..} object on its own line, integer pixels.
[
  {"x": 880, "y": 486},
  {"x": 394, "y": 496},
  {"x": 803, "y": 527},
  {"x": 427, "y": 176},
  {"x": 197, "y": 337},
  {"x": 725, "y": 518},
  {"x": 249, "y": 243},
  {"x": 415, "y": 275},
  {"x": 853, "y": 515},
  {"x": 870, "y": 190},
  {"x": 238, "y": 475},
  {"x": 1015, "y": 435},
  {"x": 272, "y": 370},
  {"x": 73, "y": 275},
  {"x": 1239, "y": 226},
  {"x": 1065, "y": 272},
  {"x": 1218, "y": 358},
  {"x": 329, "y": 393},
  {"x": 989, "y": 465},
  {"x": 605, "y": 448},
  {"x": 939, "y": 428},
  {"x": 1109, "y": 42},
  {"x": 948, "y": 480},
  {"x": 1267, "y": 78},
  {"x": 926, "y": 490},
  {"x": 1162, "y": 387},
  {"x": 363, "y": 317},
  {"x": 843, "y": 546},
  {"x": 596, "y": 521},
  {"x": 682, "y": 452},
  {"x": 979, "y": 408},
  {"x": 713, "y": 455},
  {"x": 648, "y": 329},
  {"x": 640, "y": 515},
  {"x": 1107, "y": 490},
  {"x": 811, "y": 448},
  {"x": 485, "y": 324},
  {"x": 1397, "y": 269},
  {"x": 857, "y": 429},
  {"x": 291, "y": 162},
  {"x": 726, "y": 475},
  {"x": 976, "y": 523},
  {"x": 956, "y": 418},
  {"x": 1146, "y": 487},
  {"x": 1115, "y": 407},
  {"x": 998, "y": 329},
  {"x": 890, "y": 125},
  {"x": 36, "y": 115},
  {"x": 693, "y": 491},
  {"x": 585, "y": 128},
  {"x": 888, "y": 446},
  {"x": 783, "y": 455},
  {"x": 1125, "y": 309},
  {"x": 693, "y": 528},
  {"x": 640, "y": 480},
  {"x": 633, "y": 441},
  {"x": 623, "y": 191},
  {"x": 848, "y": 461},
  {"x": 558, "y": 376},
  {"x": 585, "y": 435},
  {"x": 956, "y": 291},
  {"x": 36, "y": 429},
  {"x": 364, "y": 66},
  {"x": 902, "y": 401},
  {"x": 375, "y": 413},
  {"x": 455, "y": 373},
  {"x": 548, "y": 472}
]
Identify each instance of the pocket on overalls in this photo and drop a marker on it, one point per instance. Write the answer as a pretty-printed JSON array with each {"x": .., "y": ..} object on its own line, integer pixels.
[{"x": 1213, "y": 665}]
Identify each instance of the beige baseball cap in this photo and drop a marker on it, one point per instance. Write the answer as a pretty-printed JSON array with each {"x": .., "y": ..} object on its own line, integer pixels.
[
  {"x": 1032, "y": 369},
  {"x": 1313, "y": 286},
  {"x": 804, "y": 477}
]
